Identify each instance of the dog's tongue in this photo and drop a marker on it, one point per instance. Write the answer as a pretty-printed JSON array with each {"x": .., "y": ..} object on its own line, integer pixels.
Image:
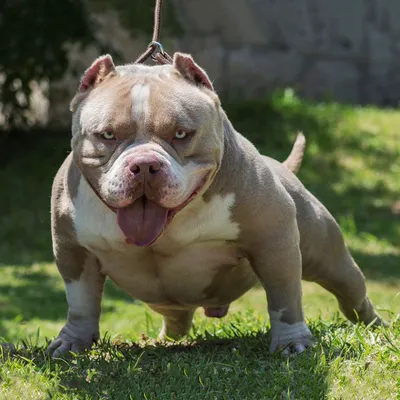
[{"x": 142, "y": 222}]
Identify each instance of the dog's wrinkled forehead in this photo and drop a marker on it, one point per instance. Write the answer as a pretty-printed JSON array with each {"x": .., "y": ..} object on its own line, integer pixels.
[
  {"x": 146, "y": 97},
  {"x": 143, "y": 71}
]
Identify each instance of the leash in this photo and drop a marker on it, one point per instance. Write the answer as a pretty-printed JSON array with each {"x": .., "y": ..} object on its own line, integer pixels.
[{"x": 155, "y": 49}]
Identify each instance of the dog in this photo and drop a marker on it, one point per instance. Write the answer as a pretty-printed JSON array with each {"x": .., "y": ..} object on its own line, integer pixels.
[{"x": 162, "y": 195}]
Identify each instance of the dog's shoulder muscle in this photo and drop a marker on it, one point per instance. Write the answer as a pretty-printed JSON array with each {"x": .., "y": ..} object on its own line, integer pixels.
[{"x": 64, "y": 190}]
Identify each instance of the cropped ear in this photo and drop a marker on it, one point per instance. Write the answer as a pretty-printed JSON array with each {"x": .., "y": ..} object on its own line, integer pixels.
[
  {"x": 94, "y": 75},
  {"x": 97, "y": 72},
  {"x": 185, "y": 64}
]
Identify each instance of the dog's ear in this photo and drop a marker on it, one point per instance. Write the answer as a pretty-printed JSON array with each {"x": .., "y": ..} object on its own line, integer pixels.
[
  {"x": 185, "y": 64},
  {"x": 101, "y": 68},
  {"x": 97, "y": 72}
]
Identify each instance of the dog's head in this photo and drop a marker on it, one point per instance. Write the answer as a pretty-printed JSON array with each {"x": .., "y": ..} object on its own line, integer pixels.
[{"x": 148, "y": 139}]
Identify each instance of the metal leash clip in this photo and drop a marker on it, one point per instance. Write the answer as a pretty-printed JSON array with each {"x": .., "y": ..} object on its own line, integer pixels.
[{"x": 157, "y": 48}]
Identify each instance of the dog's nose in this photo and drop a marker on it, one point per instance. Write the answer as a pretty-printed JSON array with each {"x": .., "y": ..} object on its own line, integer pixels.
[{"x": 144, "y": 167}]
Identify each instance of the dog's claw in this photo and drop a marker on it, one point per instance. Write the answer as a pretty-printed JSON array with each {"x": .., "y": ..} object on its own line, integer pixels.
[
  {"x": 293, "y": 339},
  {"x": 299, "y": 348},
  {"x": 60, "y": 347},
  {"x": 66, "y": 343},
  {"x": 293, "y": 349}
]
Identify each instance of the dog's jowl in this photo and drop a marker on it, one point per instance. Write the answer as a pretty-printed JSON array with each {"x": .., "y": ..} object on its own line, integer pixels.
[{"x": 163, "y": 196}]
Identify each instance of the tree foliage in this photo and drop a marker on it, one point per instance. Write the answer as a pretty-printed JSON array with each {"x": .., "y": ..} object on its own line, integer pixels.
[{"x": 34, "y": 34}]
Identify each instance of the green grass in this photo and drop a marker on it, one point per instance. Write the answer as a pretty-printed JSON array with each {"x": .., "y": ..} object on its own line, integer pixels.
[{"x": 352, "y": 164}]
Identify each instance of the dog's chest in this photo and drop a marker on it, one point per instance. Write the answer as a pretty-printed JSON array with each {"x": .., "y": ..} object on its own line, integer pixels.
[
  {"x": 196, "y": 248},
  {"x": 201, "y": 222}
]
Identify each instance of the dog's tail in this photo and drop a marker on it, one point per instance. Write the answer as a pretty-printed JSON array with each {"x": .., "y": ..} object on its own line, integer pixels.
[{"x": 293, "y": 162}]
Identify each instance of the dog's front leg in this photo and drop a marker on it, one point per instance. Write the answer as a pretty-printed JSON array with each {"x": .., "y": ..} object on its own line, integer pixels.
[
  {"x": 278, "y": 265},
  {"x": 84, "y": 290}
]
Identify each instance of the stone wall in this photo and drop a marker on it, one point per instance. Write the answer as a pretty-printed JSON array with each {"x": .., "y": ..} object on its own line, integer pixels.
[
  {"x": 347, "y": 50},
  {"x": 340, "y": 49}
]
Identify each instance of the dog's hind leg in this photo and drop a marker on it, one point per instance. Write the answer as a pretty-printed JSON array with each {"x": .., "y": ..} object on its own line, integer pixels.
[
  {"x": 341, "y": 276},
  {"x": 176, "y": 323}
]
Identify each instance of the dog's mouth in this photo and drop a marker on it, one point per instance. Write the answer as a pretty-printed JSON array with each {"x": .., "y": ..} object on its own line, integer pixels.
[{"x": 143, "y": 221}]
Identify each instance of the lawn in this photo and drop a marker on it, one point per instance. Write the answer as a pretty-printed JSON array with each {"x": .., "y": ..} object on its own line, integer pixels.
[{"x": 352, "y": 164}]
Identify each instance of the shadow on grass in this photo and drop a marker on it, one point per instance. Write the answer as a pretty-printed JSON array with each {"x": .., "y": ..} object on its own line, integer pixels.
[
  {"x": 29, "y": 161},
  {"x": 239, "y": 368},
  {"x": 36, "y": 294}
]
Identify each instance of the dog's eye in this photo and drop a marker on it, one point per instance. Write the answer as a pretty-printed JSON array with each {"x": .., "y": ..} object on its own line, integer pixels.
[
  {"x": 107, "y": 135},
  {"x": 180, "y": 135}
]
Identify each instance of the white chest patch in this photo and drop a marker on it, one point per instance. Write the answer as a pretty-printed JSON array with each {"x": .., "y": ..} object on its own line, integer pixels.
[
  {"x": 95, "y": 224},
  {"x": 204, "y": 221}
]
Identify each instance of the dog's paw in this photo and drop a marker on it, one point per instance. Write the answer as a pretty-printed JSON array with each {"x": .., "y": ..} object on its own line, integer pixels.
[
  {"x": 170, "y": 336},
  {"x": 294, "y": 346},
  {"x": 291, "y": 338},
  {"x": 70, "y": 342}
]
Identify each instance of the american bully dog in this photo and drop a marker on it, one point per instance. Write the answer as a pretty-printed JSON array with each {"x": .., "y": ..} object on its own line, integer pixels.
[{"x": 162, "y": 195}]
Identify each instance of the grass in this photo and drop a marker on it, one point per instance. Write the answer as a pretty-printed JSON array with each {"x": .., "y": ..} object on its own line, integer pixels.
[{"x": 352, "y": 164}]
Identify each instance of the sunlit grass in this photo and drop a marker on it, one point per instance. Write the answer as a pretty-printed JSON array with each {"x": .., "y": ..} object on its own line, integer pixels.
[{"x": 352, "y": 164}]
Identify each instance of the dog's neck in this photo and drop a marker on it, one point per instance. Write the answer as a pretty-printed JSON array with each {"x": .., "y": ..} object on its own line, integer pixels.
[{"x": 232, "y": 161}]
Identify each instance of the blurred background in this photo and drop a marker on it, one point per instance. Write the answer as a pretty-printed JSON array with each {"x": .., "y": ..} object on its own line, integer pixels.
[
  {"x": 328, "y": 68},
  {"x": 346, "y": 51}
]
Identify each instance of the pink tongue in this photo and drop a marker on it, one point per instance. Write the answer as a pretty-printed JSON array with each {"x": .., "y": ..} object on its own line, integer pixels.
[{"x": 142, "y": 222}]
